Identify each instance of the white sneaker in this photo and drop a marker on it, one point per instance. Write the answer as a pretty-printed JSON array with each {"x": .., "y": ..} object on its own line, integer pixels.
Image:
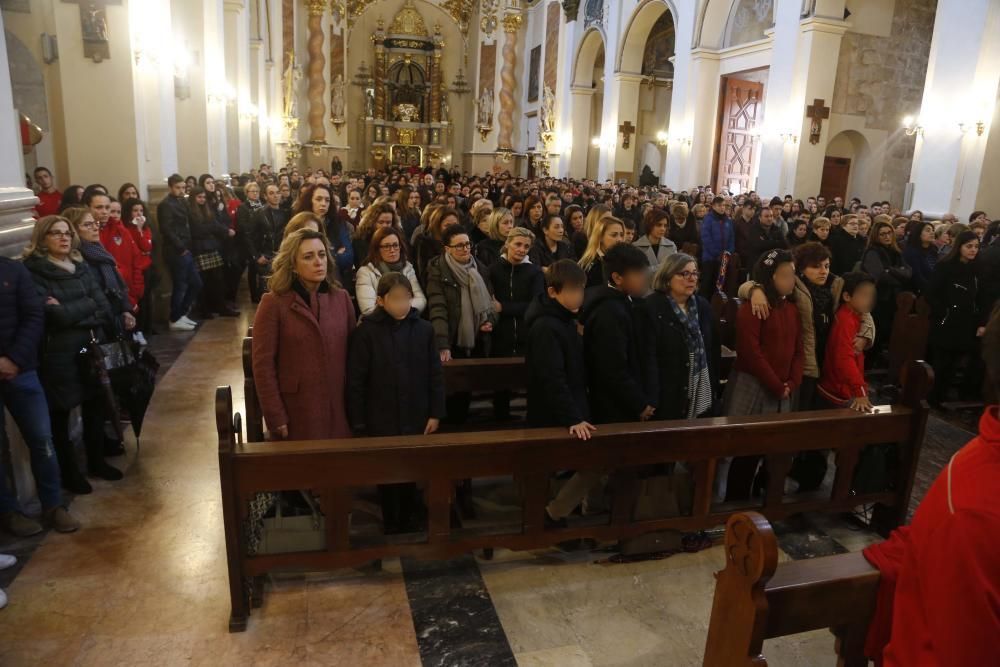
[
  {"x": 140, "y": 339},
  {"x": 7, "y": 561},
  {"x": 187, "y": 320},
  {"x": 3, "y": 599},
  {"x": 181, "y": 325}
]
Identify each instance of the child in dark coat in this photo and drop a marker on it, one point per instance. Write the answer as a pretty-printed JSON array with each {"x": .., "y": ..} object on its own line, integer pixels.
[{"x": 395, "y": 385}]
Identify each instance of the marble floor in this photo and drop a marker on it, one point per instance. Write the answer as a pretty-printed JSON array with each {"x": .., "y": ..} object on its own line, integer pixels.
[{"x": 144, "y": 582}]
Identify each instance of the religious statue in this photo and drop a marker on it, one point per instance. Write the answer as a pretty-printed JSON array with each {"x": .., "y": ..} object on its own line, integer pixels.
[
  {"x": 95, "y": 25},
  {"x": 293, "y": 73},
  {"x": 337, "y": 101},
  {"x": 486, "y": 108},
  {"x": 369, "y": 103},
  {"x": 445, "y": 108},
  {"x": 546, "y": 113}
]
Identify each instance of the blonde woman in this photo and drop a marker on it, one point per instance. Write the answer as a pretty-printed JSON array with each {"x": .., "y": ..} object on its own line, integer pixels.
[
  {"x": 581, "y": 238},
  {"x": 498, "y": 225},
  {"x": 76, "y": 310},
  {"x": 608, "y": 233},
  {"x": 304, "y": 220},
  {"x": 302, "y": 393}
]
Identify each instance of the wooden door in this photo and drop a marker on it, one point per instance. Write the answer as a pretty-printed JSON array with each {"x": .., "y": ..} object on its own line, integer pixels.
[
  {"x": 742, "y": 104},
  {"x": 836, "y": 173}
]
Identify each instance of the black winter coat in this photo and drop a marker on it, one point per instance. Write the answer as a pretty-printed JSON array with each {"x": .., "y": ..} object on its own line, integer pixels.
[
  {"x": 956, "y": 305},
  {"x": 22, "y": 315},
  {"x": 514, "y": 286},
  {"x": 82, "y": 308},
  {"x": 557, "y": 376},
  {"x": 394, "y": 378},
  {"x": 760, "y": 240},
  {"x": 542, "y": 257},
  {"x": 665, "y": 338},
  {"x": 488, "y": 253},
  {"x": 266, "y": 228},
  {"x": 207, "y": 234},
  {"x": 889, "y": 270},
  {"x": 173, "y": 217},
  {"x": 616, "y": 362},
  {"x": 846, "y": 250}
]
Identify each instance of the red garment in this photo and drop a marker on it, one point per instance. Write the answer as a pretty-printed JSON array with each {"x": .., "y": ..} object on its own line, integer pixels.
[
  {"x": 304, "y": 391},
  {"x": 939, "y": 596},
  {"x": 843, "y": 373},
  {"x": 232, "y": 206},
  {"x": 119, "y": 242},
  {"x": 48, "y": 203},
  {"x": 144, "y": 242},
  {"x": 771, "y": 349}
]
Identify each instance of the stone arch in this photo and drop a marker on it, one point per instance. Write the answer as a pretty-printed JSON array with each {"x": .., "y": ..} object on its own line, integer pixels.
[
  {"x": 586, "y": 57},
  {"x": 637, "y": 31},
  {"x": 854, "y": 146},
  {"x": 748, "y": 19},
  {"x": 710, "y": 23}
]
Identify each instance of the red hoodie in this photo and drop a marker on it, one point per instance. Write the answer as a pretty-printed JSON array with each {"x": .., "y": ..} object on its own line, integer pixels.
[
  {"x": 843, "y": 374},
  {"x": 118, "y": 241},
  {"x": 939, "y": 595}
]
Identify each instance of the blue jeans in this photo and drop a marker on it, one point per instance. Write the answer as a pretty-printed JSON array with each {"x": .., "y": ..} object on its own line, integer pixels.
[
  {"x": 187, "y": 284},
  {"x": 25, "y": 399}
]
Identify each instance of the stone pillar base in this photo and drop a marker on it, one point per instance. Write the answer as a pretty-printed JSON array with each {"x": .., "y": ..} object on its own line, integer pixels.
[{"x": 16, "y": 219}]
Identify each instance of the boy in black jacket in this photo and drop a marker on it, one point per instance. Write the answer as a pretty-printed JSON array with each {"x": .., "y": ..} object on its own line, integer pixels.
[{"x": 616, "y": 363}]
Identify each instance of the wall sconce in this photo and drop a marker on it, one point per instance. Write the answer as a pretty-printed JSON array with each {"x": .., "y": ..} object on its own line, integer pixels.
[
  {"x": 963, "y": 127},
  {"x": 912, "y": 126},
  {"x": 145, "y": 57},
  {"x": 662, "y": 138},
  {"x": 789, "y": 137}
]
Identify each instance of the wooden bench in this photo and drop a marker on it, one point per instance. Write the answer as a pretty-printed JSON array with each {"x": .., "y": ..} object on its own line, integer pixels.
[
  {"x": 910, "y": 331},
  {"x": 333, "y": 469},
  {"x": 758, "y": 599},
  {"x": 460, "y": 375}
]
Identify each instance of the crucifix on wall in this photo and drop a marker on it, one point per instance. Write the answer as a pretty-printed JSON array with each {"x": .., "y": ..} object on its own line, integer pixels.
[
  {"x": 626, "y": 130},
  {"x": 94, "y": 26},
  {"x": 818, "y": 112}
]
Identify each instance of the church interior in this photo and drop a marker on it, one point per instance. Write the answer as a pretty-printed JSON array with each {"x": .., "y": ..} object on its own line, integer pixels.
[{"x": 208, "y": 532}]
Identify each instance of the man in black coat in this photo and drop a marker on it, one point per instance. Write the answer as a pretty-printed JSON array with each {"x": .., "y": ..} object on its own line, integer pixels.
[
  {"x": 611, "y": 342},
  {"x": 173, "y": 216},
  {"x": 763, "y": 235},
  {"x": 267, "y": 225}
]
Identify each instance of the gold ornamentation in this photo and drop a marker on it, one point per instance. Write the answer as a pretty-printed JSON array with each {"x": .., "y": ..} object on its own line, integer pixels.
[
  {"x": 317, "y": 7},
  {"x": 408, "y": 22},
  {"x": 378, "y": 153},
  {"x": 512, "y": 22},
  {"x": 406, "y": 135},
  {"x": 488, "y": 10},
  {"x": 460, "y": 11},
  {"x": 407, "y": 113}
]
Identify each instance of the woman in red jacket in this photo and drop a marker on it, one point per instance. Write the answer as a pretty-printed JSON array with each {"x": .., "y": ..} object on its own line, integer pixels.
[
  {"x": 768, "y": 368},
  {"x": 300, "y": 337},
  {"x": 137, "y": 224}
]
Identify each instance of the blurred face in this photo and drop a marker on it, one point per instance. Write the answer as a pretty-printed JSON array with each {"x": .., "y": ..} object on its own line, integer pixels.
[
  {"x": 863, "y": 298},
  {"x": 285, "y": 190},
  {"x": 200, "y": 199},
  {"x": 310, "y": 261},
  {"x": 969, "y": 250},
  {"x": 800, "y": 230},
  {"x": 658, "y": 231},
  {"x": 136, "y": 212},
  {"x": 506, "y": 225},
  {"x": 396, "y": 302},
  {"x": 554, "y": 206},
  {"x": 460, "y": 248},
  {"x": 851, "y": 226},
  {"x": 414, "y": 199},
  {"x": 209, "y": 185},
  {"x": 822, "y": 232},
  {"x": 100, "y": 207},
  {"x": 884, "y": 235},
  {"x": 516, "y": 208},
  {"x": 864, "y": 224},
  {"x": 116, "y": 210},
  {"x": 556, "y": 231},
  {"x": 43, "y": 179},
  {"x": 130, "y": 193},
  {"x": 784, "y": 278},
  {"x": 613, "y": 235},
  {"x": 766, "y": 217},
  {"x": 817, "y": 274},
  {"x": 926, "y": 235},
  {"x": 684, "y": 283},
  {"x": 719, "y": 208},
  {"x": 576, "y": 221},
  {"x": 353, "y": 199},
  {"x": 320, "y": 202},
  {"x": 58, "y": 240},
  {"x": 900, "y": 231},
  {"x": 835, "y": 217},
  {"x": 273, "y": 195},
  {"x": 535, "y": 213},
  {"x": 88, "y": 229},
  {"x": 389, "y": 249},
  {"x": 384, "y": 220},
  {"x": 517, "y": 249},
  {"x": 570, "y": 298},
  {"x": 253, "y": 192}
]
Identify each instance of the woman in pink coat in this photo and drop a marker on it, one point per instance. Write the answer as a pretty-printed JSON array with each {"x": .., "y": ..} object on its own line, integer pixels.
[{"x": 300, "y": 337}]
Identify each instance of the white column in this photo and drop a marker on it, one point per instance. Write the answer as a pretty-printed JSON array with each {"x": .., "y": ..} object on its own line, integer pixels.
[
  {"x": 16, "y": 200},
  {"x": 236, "y": 57},
  {"x": 579, "y": 123},
  {"x": 963, "y": 73},
  {"x": 683, "y": 101},
  {"x": 625, "y": 94}
]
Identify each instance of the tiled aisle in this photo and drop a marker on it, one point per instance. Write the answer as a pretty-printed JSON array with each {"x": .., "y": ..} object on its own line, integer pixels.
[{"x": 144, "y": 582}]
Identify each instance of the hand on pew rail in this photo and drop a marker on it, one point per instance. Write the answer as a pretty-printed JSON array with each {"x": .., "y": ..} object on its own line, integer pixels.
[{"x": 331, "y": 469}]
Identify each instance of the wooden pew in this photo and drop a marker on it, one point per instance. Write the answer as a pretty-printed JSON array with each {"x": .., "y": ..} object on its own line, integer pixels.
[
  {"x": 332, "y": 469},
  {"x": 469, "y": 375},
  {"x": 757, "y": 599},
  {"x": 910, "y": 331}
]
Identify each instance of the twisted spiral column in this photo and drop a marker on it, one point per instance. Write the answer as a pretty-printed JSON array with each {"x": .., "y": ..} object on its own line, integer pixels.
[
  {"x": 511, "y": 24},
  {"x": 314, "y": 71}
]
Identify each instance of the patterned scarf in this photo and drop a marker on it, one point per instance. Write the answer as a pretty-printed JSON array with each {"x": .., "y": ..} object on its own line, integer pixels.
[
  {"x": 477, "y": 305},
  {"x": 692, "y": 332},
  {"x": 101, "y": 260}
]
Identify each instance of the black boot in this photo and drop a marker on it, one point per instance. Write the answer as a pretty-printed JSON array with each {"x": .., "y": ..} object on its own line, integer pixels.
[
  {"x": 96, "y": 465},
  {"x": 69, "y": 472}
]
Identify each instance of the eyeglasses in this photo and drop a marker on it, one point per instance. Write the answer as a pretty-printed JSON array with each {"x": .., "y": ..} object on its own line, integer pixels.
[
  {"x": 389, "y": 246},
  {"x": 688, "y": 275},
  {"x": 461, "y": 246},
  {"x": 59, "y": 234},
  {"x": 88, "y": 225}
]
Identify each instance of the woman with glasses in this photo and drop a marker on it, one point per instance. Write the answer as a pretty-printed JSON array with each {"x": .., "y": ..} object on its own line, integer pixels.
[
  {"x": 386, "y": 253},
  {"x": 885, "y": 263},
  {"x": 76, "y": 310},
  {"x": 683, "y": 337}
]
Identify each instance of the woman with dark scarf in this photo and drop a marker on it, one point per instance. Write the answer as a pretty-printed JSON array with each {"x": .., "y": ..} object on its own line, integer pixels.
[{"x": 884, "y": 262}]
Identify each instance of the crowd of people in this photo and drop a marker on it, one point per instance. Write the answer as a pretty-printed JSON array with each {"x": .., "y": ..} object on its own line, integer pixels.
[{"x": 368, "y": 283}]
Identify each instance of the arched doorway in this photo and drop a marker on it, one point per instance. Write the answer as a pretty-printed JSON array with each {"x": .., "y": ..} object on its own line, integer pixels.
[
  {"x": 846, "y": 168},
  {"x": 588, "y": 99},
  {"x": 647, "y": 50}
]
